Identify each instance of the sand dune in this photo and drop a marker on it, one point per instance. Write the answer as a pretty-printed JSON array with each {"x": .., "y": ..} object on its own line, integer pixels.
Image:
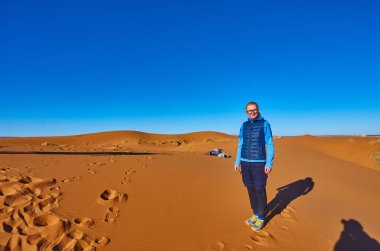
[
  {"x": 113, "y": 138},
  {"x": 364, "y": 151},
  {"x": 129, "y": 190}
]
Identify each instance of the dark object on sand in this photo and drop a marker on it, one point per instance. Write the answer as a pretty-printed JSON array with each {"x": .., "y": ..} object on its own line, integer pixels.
[{"x": 218, "y": 152}]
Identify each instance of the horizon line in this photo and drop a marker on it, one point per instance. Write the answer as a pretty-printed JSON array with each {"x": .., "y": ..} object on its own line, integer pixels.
[{"x": 297, "y": 135}]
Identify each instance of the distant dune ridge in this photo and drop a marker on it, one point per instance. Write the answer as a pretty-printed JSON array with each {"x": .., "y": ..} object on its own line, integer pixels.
[
  {"x": 114, "y": 137},
  {"x": 360, "y": 150},
  {"x": 130, "y": 190}
]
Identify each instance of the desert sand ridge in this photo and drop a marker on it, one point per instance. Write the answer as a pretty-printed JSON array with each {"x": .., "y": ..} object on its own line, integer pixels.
[
  {"x": 118, "y": 136},
  {"x": 364, "y": 151}
]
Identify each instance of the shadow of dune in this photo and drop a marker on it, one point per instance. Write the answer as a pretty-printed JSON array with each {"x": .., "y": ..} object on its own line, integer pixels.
[
  {"x": 286, "y": 194},
  {"x": 354, "y": 238},
  {"x": 82, "y": 153}
]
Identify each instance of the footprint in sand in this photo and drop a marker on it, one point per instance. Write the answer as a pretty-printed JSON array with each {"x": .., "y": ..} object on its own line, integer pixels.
[
  {"x": 11, "y": 169},
  {"x": 217, "y": 246},
  {"x": 48, "y": 204},
  {"x": 91, "y": 171},
  {"x": 141, "y": 164},
  {"x": 41, "y": 184},
  {"x": 111, "y": 214},
  {"x": 130, "y": 171},
  {"x": 69, "y": 240},
  {"x": 77, "y": 240},
  {"x": 5, "y": 212},
  {"x": 84, "y": 222},
  {"x": 29, "y": 222},
  {"x": 248, "y": 247},
  {"x": 9, "y": 188},
  {"x": 102, "y": 241},
  {"x": 17, "y": 200},
  {"x": 127, "y": 179},
  {"x": 51, "y": 228},
  {"x": 285, "y": 228},
  {"x": 289, "y": 214},
  {"x": 55, "y": 192},
  {"x": 70, "y": 179},
  {"x": 263, "y": 238},
  {"x": 46, "y": 220},
  {"x": 25, "y": 179},
  {"x": 85, "y": 245},
  {"x": 10, "y": 224},
  {"x": 111, "y": 196},
  {"x": 14, "y": 243}
]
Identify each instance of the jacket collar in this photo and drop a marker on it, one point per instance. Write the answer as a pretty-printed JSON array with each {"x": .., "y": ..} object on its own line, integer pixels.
[{"x": 255, "y": 119}]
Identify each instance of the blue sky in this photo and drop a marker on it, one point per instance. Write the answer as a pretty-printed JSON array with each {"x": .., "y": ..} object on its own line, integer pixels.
[{"x": 77, "y": 67}]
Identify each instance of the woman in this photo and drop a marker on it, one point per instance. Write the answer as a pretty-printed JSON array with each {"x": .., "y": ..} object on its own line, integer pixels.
[{"x": 255, "y": 156}]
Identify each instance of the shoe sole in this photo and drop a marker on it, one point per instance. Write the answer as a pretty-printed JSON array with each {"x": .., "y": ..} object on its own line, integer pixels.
[
  {"x": 259, "y": 229},
  {"x": 249, "y": 224},
  {"x": 256, "y": 230}
]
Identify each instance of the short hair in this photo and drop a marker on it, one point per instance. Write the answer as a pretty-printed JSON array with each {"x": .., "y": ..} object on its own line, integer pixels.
[{"x": 252, "y": 103}]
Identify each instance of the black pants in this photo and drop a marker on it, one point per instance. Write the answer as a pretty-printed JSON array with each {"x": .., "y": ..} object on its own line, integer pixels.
[
  {"x": 255, "y": 179},
  {"x": 258, "y": 200},
  {"x": 253, "y": 174}
]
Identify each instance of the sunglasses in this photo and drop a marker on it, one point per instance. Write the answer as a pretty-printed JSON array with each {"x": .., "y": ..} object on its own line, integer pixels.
[{"x": 252, "y": 111}]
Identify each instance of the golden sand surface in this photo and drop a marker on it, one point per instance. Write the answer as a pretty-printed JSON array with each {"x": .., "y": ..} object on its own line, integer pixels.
[{"x": 128, "y": 190}]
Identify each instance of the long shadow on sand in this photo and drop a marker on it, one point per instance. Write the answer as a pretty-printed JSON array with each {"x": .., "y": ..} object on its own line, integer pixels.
[
  {"x": 354, "y": 238},
  {"x": 286, "y": 194},
  {"x": 83, "y": 153}
]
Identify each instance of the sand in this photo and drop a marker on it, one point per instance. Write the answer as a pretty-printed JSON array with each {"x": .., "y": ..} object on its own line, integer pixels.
[{"x": 128, "y": 190}]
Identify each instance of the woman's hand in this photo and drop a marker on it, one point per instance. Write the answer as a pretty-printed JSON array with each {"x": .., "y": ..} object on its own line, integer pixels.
[
  {"x": 267, "y": 170},
  {"x": 237, "y": 168}
]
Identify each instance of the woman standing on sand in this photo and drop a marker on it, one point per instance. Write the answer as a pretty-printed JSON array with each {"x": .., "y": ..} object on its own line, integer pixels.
[{"x": 255, "y": 156}]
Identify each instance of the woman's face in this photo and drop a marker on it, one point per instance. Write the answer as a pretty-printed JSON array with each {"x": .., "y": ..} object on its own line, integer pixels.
[{"x": 252, "y": 111}]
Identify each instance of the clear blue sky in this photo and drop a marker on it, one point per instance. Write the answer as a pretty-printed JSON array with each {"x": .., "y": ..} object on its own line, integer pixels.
[{"x": 72, "y": 67}]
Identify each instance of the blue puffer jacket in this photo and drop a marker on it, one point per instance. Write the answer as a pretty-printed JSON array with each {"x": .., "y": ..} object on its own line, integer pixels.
[{"x": 255, "y": 142}]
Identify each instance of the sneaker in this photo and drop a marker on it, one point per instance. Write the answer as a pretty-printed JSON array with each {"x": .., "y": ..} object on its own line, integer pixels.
[
  {"x": 251, "y": 220},
  {"x": 258, "y": 225}
]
